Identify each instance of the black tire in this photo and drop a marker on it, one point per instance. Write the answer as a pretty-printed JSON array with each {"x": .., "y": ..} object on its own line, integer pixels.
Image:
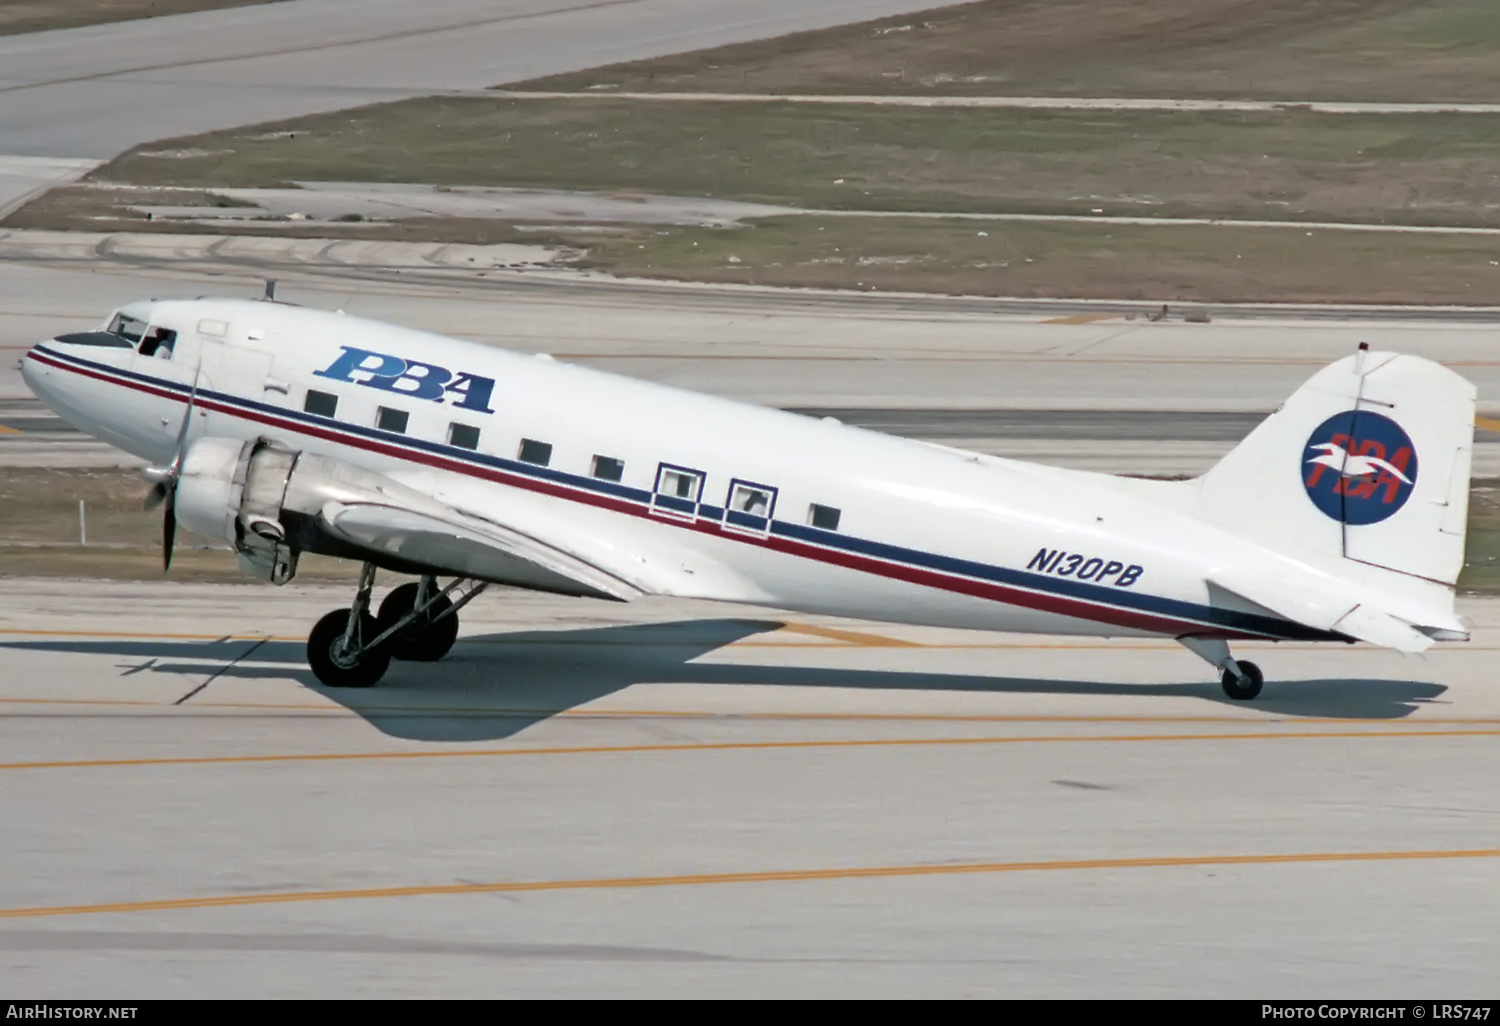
[
  {"x": 323, "y": 653},
  {"x": 1243, "y": 690},
  {"x": 421, "y": 641}
]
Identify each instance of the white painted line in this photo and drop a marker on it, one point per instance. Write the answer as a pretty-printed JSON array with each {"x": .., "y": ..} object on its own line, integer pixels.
[{"x": 1031, "y": 102}]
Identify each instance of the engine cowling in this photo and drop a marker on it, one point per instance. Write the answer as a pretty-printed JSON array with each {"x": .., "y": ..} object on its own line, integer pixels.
[
  {"x": 266, "y": 500},
  {"x": 234, "y": 490}
]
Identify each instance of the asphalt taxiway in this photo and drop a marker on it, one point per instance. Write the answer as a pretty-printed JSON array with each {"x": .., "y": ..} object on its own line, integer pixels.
[{"x": 673, "y": 798}]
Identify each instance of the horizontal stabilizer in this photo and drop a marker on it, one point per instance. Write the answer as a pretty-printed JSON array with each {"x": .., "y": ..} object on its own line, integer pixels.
[
  {"x": 1310, "y": 607},
  {"x": 1369, "y": 624},
  {"x": 1332, "y": 610}
]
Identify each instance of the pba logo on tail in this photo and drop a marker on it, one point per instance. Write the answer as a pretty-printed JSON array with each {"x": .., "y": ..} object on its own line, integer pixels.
[{"x": 1359, "y": 467}]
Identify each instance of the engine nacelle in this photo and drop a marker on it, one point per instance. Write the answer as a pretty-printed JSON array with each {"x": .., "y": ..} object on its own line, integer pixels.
[
  {"x": 234, "y": 490},
  {"x": 266, "y": 500}
]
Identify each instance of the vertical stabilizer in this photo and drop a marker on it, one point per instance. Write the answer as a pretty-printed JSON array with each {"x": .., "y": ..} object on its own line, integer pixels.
[{"x": 1368, "y": 461}]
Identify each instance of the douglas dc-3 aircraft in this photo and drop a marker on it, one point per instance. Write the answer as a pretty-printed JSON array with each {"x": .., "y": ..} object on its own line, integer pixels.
[{"x": 284, "y": 430}]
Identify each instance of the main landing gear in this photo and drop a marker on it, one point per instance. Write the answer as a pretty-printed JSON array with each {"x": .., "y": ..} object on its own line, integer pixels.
[
  {"x": 1242, "y": 680},
  {"x": 350, "y": 648}
]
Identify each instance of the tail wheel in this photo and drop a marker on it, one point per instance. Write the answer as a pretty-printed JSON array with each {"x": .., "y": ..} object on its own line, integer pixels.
[
  {"x": 422, "y": 640},
  {"x": 337, "y": 665},
  {"x": 1246, "y": 688}
]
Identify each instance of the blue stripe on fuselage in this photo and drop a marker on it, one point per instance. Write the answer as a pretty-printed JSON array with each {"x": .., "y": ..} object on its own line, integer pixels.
[{"x": 1195, "y": 614}]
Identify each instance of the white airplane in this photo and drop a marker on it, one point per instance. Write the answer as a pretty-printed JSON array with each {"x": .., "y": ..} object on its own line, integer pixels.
[{"x": 284, "y": 430}]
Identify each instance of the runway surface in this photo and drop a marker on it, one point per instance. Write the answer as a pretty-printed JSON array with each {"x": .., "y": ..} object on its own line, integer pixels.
[
  {"x": 89, "y": 93},
  {"x": 682, "y": 798}
]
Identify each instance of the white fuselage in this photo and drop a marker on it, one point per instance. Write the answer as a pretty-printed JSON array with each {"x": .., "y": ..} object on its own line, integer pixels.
[{"x": 924, "y": 534}]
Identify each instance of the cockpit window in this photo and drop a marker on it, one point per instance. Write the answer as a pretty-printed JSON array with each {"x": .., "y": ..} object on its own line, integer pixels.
[
  {"x": 159, "y": 342},
  {"x": 129, "y": 328},
  {"x": 95, "y": 338}
]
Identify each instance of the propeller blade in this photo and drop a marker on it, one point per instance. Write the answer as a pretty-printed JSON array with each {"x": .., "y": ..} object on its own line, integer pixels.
[
  {"x": 187, "y": 423},
  {"x": 157, "y": 495},
  {"x": 165, "y": 489},
  {"x": 168, "y": 533}
]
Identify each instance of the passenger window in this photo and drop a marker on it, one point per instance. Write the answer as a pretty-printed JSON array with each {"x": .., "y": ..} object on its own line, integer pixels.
[
  {"x": 677, "y": 492},
  {"x": 749, "y": 507},
  {"x": 752, "y": 499},
  {"x": 463, "y": 436},
  {"x": 825, "y": 517},
  {"x": 324, "y": 404},
  {"x": 607, "y": 468},
  {"x": 680, "y": 484},
  {"x": 536, "y": 452},
  {"x": 388, "y": 419}
]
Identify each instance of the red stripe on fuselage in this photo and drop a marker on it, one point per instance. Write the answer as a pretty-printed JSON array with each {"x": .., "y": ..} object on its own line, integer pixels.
[{"x": 922, "y": 576}]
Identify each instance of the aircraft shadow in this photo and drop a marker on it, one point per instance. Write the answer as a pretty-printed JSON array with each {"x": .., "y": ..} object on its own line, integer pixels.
[{"x": 494, "y": 686}]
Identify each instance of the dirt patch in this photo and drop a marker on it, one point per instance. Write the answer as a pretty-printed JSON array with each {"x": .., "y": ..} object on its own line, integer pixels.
[
  {"x": 80, "y": 209},
  {"x": 18, "y": 16},
  {"x": 1158, "y": 264},
  {"x": 1289, "y": 165},
  {"x": 1399, "y": 50},
  {"x": 1292, "y": 164}
]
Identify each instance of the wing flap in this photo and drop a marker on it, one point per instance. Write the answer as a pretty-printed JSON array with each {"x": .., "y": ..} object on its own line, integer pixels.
[{"x": 485, "y": 551}]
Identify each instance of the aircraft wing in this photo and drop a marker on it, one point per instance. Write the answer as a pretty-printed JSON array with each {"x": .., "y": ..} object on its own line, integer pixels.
[{"x": 466, "y": 547}]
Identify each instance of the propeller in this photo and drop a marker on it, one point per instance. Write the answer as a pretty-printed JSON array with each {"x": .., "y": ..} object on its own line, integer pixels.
[{"x": 164, "y": 487}]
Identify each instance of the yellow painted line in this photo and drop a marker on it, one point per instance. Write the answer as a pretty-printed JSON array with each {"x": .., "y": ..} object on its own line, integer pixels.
[
  {"x": 852, "y": 637},
  {"x": 583, "y": 712},
  {"x": 7, "y": 430},
  {"x": 1083, "y": 318},
  {"x": 138, "y": 636},
  {"x": 1488, "y": 423},
  {"x": 753, "y": 877},
  {"x": 332, "y": 708},
  {"x": 724, "y": 746}
]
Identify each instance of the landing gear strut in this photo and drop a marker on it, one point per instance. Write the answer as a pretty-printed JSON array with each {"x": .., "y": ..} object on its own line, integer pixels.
[
  {"x": 349, "y": 648},
  {"x": 340, "y": 648},
  {"x": 1242, "y": 680},
  {"x": 430, "y": 626}
]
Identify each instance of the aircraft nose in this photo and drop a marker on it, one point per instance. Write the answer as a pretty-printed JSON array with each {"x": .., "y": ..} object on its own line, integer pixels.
[
  {"x": 46, "y": 381},
  {"x": 34, "y": 373}
]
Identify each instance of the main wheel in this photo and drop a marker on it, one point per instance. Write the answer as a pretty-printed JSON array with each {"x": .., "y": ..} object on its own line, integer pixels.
[
  {"x": 422, "y": 640},
  {"x": 1243, "y": 690},
  {"x": 333, "y": 665}
]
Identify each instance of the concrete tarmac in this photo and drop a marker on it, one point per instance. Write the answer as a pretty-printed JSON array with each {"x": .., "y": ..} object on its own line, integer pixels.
[
  {"x": 89, "y": 93},
  {"x": 682, "y": 799}
]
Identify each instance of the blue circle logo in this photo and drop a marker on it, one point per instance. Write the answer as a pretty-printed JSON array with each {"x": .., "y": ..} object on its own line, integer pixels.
[{"x": 1359, "y": 467}]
